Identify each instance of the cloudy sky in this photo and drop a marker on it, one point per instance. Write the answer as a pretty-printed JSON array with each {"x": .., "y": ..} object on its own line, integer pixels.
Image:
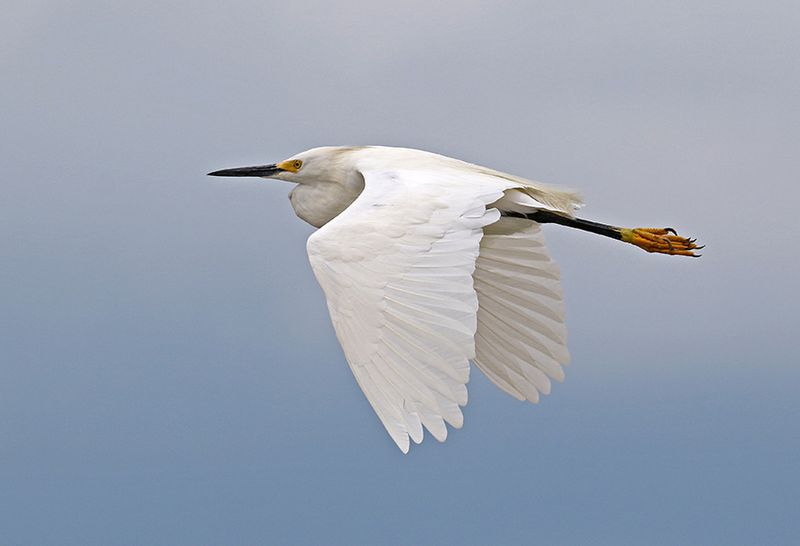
[{"x": 169, "y": 372}]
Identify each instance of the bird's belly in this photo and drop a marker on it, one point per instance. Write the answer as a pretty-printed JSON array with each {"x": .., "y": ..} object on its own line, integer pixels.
[{"x": 318, "y": 204}]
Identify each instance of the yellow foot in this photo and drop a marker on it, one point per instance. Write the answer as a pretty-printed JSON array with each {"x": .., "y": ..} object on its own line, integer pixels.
[{"x": 662, "y": 240}]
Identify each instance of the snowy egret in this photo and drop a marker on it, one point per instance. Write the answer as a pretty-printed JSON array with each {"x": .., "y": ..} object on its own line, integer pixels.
[{"x": 428, "y": 263}]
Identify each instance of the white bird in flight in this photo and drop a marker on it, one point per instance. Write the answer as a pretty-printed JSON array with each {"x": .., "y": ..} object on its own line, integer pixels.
[{"x": 428, "y": 263}]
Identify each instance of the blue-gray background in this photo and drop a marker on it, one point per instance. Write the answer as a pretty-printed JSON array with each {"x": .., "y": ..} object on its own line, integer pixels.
[{"x": 169, "y": 374}]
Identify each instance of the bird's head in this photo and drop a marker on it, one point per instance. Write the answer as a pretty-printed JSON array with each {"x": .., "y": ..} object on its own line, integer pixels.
[{"x": 312, "y": 165}]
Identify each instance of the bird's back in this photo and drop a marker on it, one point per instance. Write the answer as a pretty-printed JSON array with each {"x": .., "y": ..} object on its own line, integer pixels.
[{"x": 319, "y": 200}]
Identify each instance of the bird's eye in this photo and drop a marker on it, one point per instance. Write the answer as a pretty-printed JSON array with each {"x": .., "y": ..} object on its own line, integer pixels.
[{"x": 291, "y": 165}]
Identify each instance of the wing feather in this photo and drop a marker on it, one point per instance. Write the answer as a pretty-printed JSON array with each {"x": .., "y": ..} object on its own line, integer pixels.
[
  {"x": 520, "y": 342},
  {"x": 422, "y": 275},
  {"x": 396, "y": 268}
]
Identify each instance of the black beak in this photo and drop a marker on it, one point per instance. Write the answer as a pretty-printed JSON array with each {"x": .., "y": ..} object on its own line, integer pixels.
[{"x": 259, "y": 170}]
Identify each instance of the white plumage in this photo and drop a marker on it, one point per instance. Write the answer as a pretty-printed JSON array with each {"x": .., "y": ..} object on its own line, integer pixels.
[
  {"x": 520, "y": 342},
  {"x": 425, "y": 268}
]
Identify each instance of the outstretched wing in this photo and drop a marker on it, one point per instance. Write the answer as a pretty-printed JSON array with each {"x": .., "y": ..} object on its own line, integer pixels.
[
  {"x": 520, "y": 342},
  {"x": 396, "y": 268}
]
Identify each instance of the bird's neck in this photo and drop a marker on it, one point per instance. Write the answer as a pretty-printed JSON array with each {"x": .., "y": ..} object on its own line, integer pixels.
[{"x": 317, "y": 203}]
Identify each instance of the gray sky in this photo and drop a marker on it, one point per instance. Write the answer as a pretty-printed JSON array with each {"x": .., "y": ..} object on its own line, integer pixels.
[{"x": 169, "y": 371}]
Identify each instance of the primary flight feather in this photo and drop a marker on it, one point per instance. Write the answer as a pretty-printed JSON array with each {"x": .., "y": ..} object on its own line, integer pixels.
[{"x": 428, "y": 263}]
